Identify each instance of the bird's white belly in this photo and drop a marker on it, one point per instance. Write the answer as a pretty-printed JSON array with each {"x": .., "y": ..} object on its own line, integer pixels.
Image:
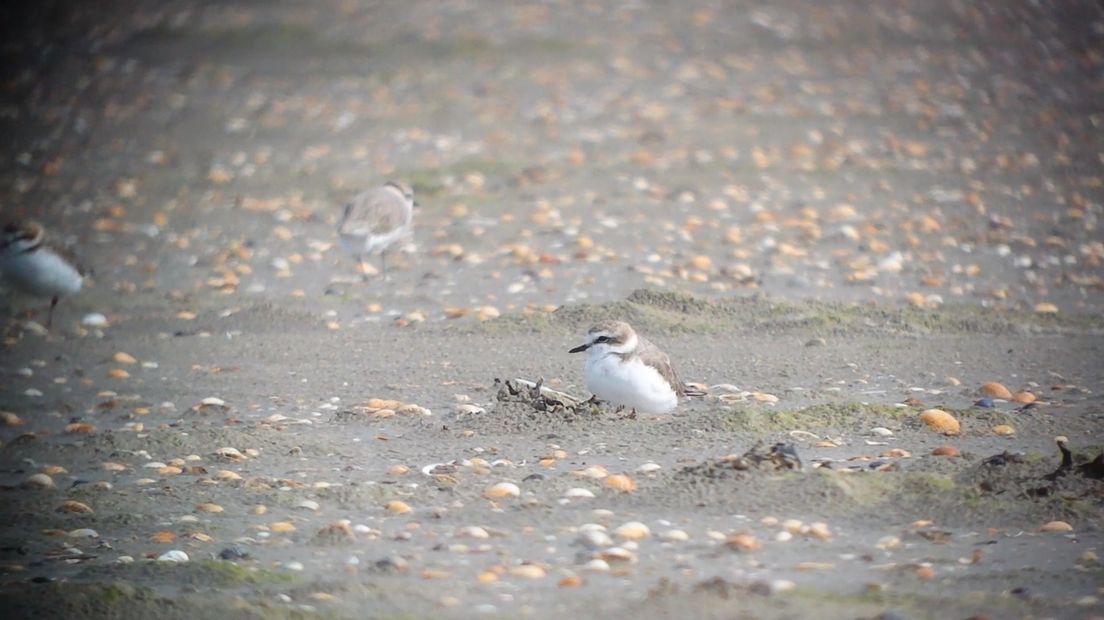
[
  {"x": 357, "y": 242},
  {"x": 42, "y": 273},
  {"x": 632, "y": 384}
]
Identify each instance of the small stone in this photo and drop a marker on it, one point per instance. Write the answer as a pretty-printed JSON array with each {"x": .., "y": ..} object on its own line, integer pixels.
[
  {"x": 123, "y": 358},
  {"x": 234, "y": 552},
  {"x": 633, "y": 530},
  {"x": 579, "y": 493},
  {"x": 1056, "y": 526},
  {"x": 308, "y": 504},
  {"x": 940, "y": 421},
  {"x": 1004, "y": 429},
  {"x": 398, "y": 470},
  {"x": 594, "y": 539},
  {"x": 1045, "y": 307},
  {"x": 174, "y": 555},
  {"x": 1023, "y": 397},
  {"x": 881, "y": 431},
  {"x": 945, "y": 451},
  {"x": 209, "y": 507},
  {"x": 996, "y": 390},
  {"x": 571, "y": 581},
  {"x": 8, "y": 418},
  {"x": 502, "y": 489},
  {"x": 648, "y": 468}
]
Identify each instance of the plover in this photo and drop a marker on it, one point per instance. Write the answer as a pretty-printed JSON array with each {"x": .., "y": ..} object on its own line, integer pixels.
[
  {"x": 626, "y": 369},
  {"x": 376, "y": 219},
  {"x": 33, "y": 267}
]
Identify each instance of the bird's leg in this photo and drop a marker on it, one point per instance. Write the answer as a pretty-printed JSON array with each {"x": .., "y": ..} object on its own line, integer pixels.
[
  {"x": 383, "y": 264},
  {"x": 50, "y": 314},
  {"x": 361, "y": 263}
]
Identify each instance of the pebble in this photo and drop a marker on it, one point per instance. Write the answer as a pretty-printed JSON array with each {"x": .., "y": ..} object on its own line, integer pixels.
[
  {"x": 174, "y": 555},
  {"x": 945, "y": 451},
  {"x": 1004, "y": 429},
  {"x": 579, "y": 493},
  {"x": 209, "y": 507},
  {"x": 881, "y": 431},
  {"x": 648, "y": 468},
  {"x": 502, "y": 489},
  {"x": 996, "y": 390},
  {"x": 123, "y": 358},
  {"x": 633, "y": 530},
  {"x": 308, "y": 504},
  {"x": 233, "y": 552},
  {"x": 985, "y": 403},
  {"x": 8, "y": 418},
  {"x": 940, "y": 421},
  {"x": 1023, "y": 397}
]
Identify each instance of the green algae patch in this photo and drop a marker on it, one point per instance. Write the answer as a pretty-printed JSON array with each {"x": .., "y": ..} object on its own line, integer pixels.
[{"x": 671, "y": 312}]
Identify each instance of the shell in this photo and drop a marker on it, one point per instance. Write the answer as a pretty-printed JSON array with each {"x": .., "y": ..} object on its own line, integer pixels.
[{"x": 940, "y": 421}]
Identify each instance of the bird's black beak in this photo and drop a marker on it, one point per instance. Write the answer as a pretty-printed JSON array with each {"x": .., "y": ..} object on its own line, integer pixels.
[{"x": 580, "y": 348}]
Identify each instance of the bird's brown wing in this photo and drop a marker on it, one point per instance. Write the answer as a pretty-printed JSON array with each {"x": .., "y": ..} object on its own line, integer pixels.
[
  {"x": 375, "y": 212},
  {"x": 651, "y": 355}
]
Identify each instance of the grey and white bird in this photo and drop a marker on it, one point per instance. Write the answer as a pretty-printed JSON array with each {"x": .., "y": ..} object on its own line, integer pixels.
[
  {"x": 375, "y": 220},
  {"x": 626, "y": 369},
  {"x": 32, "y": 266}
]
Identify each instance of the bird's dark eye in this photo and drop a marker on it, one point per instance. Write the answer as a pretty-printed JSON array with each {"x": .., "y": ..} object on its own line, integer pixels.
[{"x": 601, "y": 339}]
